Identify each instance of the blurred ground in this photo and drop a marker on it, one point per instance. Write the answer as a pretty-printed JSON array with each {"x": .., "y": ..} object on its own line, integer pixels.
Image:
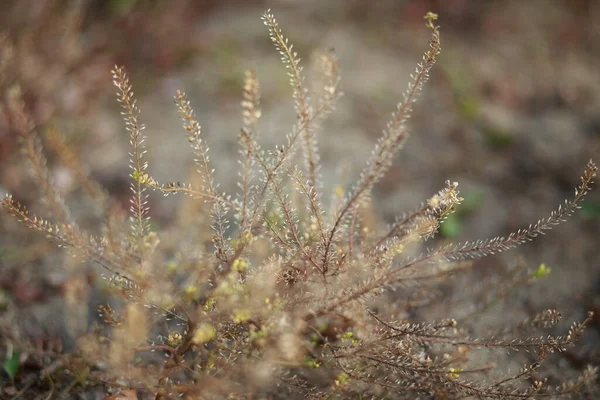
[{"x": 512, "y": 113}]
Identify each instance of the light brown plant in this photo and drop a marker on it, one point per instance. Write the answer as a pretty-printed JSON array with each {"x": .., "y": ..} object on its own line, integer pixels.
[{"x": 285, "y": 303}]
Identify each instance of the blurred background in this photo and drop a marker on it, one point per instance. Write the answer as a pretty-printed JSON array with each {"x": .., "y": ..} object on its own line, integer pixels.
[{"x": 512, "y": 112}]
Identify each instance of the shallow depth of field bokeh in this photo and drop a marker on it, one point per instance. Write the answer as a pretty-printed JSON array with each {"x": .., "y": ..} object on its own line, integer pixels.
[{"x": 512, "y": 113}]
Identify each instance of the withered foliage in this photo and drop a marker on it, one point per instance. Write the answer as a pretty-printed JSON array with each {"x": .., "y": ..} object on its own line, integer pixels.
[{"x": 271, "y": 292}]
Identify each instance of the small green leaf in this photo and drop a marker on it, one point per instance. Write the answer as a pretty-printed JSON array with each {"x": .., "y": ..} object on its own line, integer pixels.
[
  {"x": 472, "y": 201},
  {"x": 135, "y": 175},
  {"x": 542, "y": 271},
  {"x": 312, "y": 363},
  {"x": 591, "y": 209},
  {"x": 82, "y": 375},
  {"x": 498, "y": 138},
  {"x": 451, "y": 226},
  {"x": 468, "y": 107},
  {"x": 12, "y": 363}
]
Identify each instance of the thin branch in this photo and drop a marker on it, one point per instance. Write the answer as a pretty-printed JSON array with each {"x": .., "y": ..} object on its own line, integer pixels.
[
  {"x": 392, "y": 140},
  {"x": 140, "y": 220}
]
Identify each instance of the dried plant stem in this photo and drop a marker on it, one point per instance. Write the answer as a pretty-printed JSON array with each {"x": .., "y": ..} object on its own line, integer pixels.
[
  {"x": 140, "y": 221},
  {"x": 392, "y": 139},
  {"x": 478, "y": 249},
  {"x": 303, "y": 109}
]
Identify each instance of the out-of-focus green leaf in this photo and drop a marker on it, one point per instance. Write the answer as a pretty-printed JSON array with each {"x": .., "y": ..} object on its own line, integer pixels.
[
  {"x": 590, "y": 209},
  {"x": 471, "y": 201},
  {"x": 12, "y": 363},
  {"x": 542, "y": 271},
  {"x": 4, "y": 300},
  {"x": 468, "y": 107},
  {"x": 451, "y": 227},
  {"x": 467, "y": 101},
  {"x": 498, "y": 138},
  {"x": 121, "y": 7}
]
